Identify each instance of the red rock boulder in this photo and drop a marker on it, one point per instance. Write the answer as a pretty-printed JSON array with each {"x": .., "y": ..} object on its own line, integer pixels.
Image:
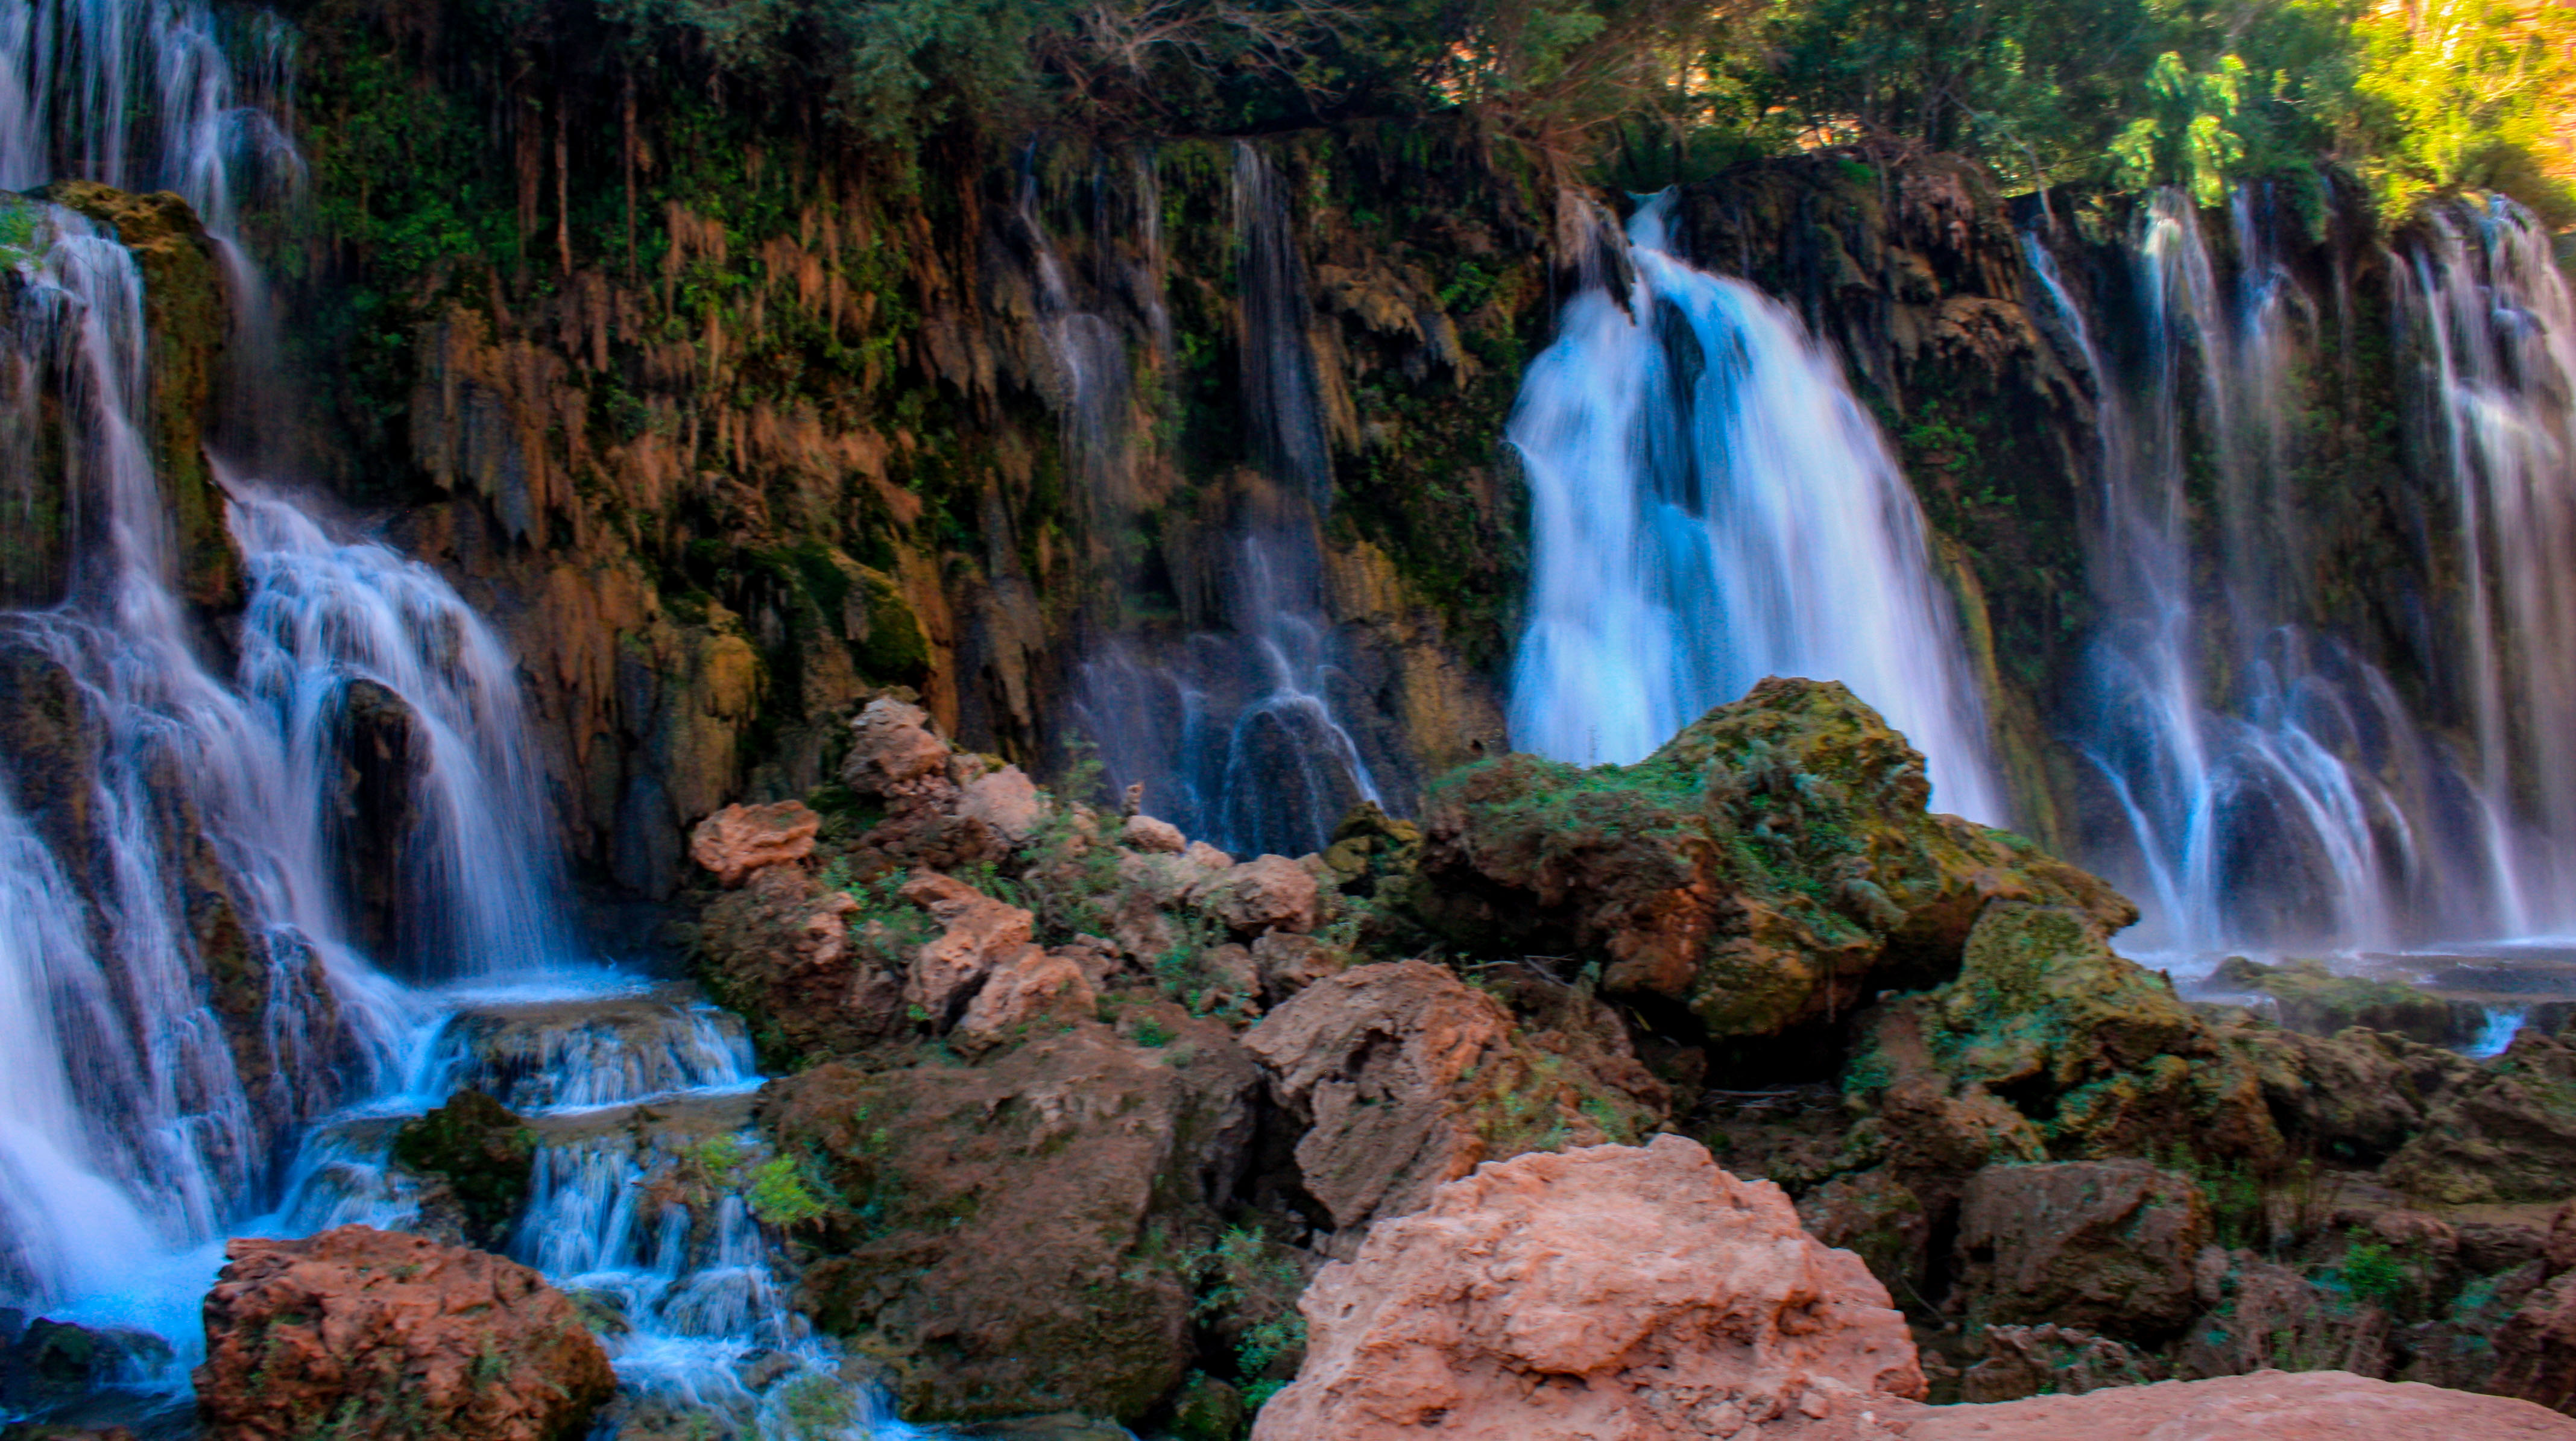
[
  {"x": 360, "y": 1332},
  {"x": 1616, "y": 1291},
  {"x": 738, "y": 840}
]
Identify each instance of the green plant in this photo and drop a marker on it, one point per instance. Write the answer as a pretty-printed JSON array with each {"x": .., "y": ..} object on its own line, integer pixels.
[
  {"x": 780, "y": 1196},
  {"x": 1151, "y": 1032}
]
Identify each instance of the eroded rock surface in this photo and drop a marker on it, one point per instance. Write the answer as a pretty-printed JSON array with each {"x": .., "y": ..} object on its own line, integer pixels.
[
  {"x": 360, "y": 1332},
  {"x": 738, "y": 840},
  {"x": 1636, "y": 1292},
  {"x": 2271, "y": 1405}
]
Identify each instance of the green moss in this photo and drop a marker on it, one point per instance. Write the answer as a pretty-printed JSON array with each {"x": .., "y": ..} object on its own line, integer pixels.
[{"x": 482, "y": 1149}]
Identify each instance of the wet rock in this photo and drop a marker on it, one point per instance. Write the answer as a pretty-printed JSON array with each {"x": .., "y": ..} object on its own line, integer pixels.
[
  {"x": 1012, "y": 1237},
  {"x": 2315, "y": 1000},
  {"x": 2316, "y": 1406},
  {"x": 2358, "y": 1095},
  {"x": 47, "y": 1364},
  {"x": 2103, "y": 1245},
  {"x": 2505, "y": 1132},
  {"x": 781, "y": 951},
  {"x": 483, "y": 1154},
  {"x": 2054, "y": 1361},
  {"x": 978, "y": 935},
  {"x": 383, "y": 752},
  {"x": 376, "y": 1334},
  {"x": 1406, "y": 1077},
  {"x": 1774, "y": 863},
  {"x": 1268, "y": 893},
  {"x": 738, "y": 840},
  {"x": 1637, "y": 1292}
]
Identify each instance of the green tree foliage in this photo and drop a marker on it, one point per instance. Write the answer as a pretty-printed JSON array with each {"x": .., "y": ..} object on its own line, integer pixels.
[{"x": 2466, "y": 92}]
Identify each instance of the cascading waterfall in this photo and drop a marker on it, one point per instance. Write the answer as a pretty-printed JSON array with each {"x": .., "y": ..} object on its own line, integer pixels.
[
  {"x": 1710, "y": 505},
  {"x": 2274, "y": 787},
  {"x": 1237, "y": 734},
  {"x": 139, "y": 1120}
]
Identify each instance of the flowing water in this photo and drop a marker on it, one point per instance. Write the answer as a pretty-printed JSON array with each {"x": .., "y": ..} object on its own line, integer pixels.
[
  {"x": 253, "y": 916},
  {"x": 1710, "y": 505},
  {"x": 1237, "y": 730},
  {"x": 2275, "y": 787}
]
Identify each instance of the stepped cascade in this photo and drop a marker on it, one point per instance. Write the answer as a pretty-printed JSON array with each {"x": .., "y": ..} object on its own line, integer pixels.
[{"x": 1710, "y": 505}]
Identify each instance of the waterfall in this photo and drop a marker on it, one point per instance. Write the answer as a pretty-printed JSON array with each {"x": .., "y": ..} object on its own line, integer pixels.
[
  {"x": 1237, "y": 730},
  {"x": 1711, "y": 505},
  {"x": 2271, "y": 785}
]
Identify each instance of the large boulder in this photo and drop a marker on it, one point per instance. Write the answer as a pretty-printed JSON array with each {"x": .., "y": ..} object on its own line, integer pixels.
[
  {"x": 1406, "y": 1077},
  {"x": 1636, "y": 1292},
  {"x": 1013, "y": 1237},
  {"x": 814, "y": 972},
  {"x": 2103, "y": 1245},
  {"x": 1773, "y": 864},
  {"x": 359, "y": 1332}
]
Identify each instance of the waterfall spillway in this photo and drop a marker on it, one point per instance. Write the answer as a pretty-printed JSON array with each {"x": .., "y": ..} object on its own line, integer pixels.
[
  {"x": 1710, "y": 505},
  {"x": 1237, "y": 731},
  {"x": 2273, "y": 786}
]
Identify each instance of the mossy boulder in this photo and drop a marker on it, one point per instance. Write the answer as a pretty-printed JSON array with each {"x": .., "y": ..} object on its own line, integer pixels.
[
  {"x": 2047, "y": 1042},
  {"x": 2504, "y": 1132},
  {"x": 1774, "y": 863},
  {"x": 483, "y": 1152},
  {"x": 2315, "y": 1000},
  {"x": 1018, "y": 1236}
]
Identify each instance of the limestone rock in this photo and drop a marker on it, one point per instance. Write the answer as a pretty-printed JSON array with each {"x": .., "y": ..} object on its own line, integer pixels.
[
  {"x": 2315, "y": 1000},
  {"x": 2506, "y": 1132},
  {"x": 1678, "y": 871},
  {"x": 1874, "y": 1216},
  {"x": 2271, "y": 1405},
  {"x": 2359, "y": 1094},
  {"x": 979, "y": 934},
  {"x": 1286, "y": 963},
  {"x": 738, "y": 840},
  {"x": 893, "y": 752},
  {"x": 1028, "y": 986},
  {"x": 780, "y": 951},
  {"x": 1154, "y": 837},
  {"x": 1017, "y": 1231},
  {"x": 2103, "y": 1245},
  {"x": 1407, "y": 1077},
  {"x": 1006, "y": 800},
  {"x": 388, "y": 1336},
  {"x": 2261, "y": 1315},
  {"x": 1268, "y": 893},
  {"x": 481, "y": 1151},
  {"x": 2535, "y": 1349},
  {"x": 1636, "y": 1292}
]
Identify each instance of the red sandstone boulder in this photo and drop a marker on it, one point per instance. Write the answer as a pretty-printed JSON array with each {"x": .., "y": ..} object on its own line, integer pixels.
[
  {"x": 1618, "y": 1291},
  {"x": 2266, "y": 1406},
  {"x": 360, "y": 1332},
  {"x": 978, "y": 934},
  {"x": 893, "y": 752},
  {"x": 738, "y": 840},
  {"x": 1268, "y": 893}
]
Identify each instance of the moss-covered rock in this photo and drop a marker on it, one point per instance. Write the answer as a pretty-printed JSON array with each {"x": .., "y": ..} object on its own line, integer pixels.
[
  {"x": 2313, "y": 999},
  {"x": 2058, "y": 1043},
  {"x": 1774, "y": 863},
  {"x": 484, "y": 1153},
  {"x": 2505, "y": 1132}
]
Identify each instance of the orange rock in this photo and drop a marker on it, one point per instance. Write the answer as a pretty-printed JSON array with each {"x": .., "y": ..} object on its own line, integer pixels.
[
  {"x": 1268, "y": 893},
  {"x": 1028, "y": 985},
  {"x": 893, "y": 752},
  {"x": 2269, "y": 1405},
  {"x": 738, "y": 840},
  {"x": 360, "y": 1332},
  {"x": 1618, "y": 1291},
  {"x": 980, "y": 933}
]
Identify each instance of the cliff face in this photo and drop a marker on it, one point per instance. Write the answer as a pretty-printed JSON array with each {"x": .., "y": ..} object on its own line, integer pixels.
[{"x": 729, "y": 424}]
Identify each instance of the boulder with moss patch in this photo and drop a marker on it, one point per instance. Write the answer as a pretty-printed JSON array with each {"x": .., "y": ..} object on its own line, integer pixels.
[{"x": 1773, "y": 864}]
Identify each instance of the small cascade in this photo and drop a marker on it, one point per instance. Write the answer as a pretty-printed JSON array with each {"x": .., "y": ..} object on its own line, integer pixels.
[
  {"x": 643, "y": 1204},
  {"x": 1710, "y": 505},
  {"x": 2273, "y": 785},
  {"x": 1237, "y": 731}
]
